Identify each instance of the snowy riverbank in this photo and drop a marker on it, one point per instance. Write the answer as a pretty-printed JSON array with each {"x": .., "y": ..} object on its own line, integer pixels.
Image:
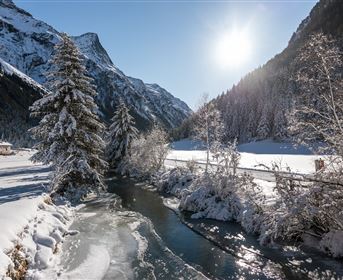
[
  {"x": 32, "y": 227},
  {"x": 260, "y": 206},
  {"x": 254, "y": 204}
]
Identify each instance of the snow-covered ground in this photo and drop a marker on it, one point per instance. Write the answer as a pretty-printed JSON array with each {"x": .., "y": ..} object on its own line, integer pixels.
[
  {"x": 208, "y": 199},
  {"x": 96, "y": 240},
  {"x": 254, "y": 155},
  {"x": 28, "y": 219}
]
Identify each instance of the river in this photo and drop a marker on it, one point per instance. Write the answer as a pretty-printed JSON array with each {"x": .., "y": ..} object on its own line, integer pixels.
[{"x": 131, "y": 234}]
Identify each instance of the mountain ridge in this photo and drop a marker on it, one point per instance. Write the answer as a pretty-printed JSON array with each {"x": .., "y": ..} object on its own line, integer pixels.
[
  {"x": 256, "y": 108},
  {"x": 18, "y": 92},
  {"x": 28, "y": 44}
]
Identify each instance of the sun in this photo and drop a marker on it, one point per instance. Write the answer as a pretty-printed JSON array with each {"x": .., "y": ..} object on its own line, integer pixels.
[{"x": 232, "y": 49}]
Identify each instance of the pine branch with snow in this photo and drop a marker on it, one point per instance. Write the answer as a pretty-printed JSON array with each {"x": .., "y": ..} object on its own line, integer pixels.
[
  {"x": 121, "y": 133},
  {"x": 69, "y": 131}
]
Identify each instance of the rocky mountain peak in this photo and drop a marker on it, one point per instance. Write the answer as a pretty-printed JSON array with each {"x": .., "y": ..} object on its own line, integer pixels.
[
  {"x": 10, "y": 4},
  {"x": 27, "y": 44},
  {"x": 89, "y": 44}
]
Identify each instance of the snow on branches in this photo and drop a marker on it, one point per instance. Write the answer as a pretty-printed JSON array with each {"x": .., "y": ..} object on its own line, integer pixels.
[
  {"x": 120, "y": 136},
  {"x": 69, "y": 131},
  {"x": 208, "y": 127},
  {"x": 318, "y": 114},
  {"x": 148, "y": 153}
]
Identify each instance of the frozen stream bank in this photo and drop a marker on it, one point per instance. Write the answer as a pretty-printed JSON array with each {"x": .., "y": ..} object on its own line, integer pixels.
[{"x": 137, "y": 237}]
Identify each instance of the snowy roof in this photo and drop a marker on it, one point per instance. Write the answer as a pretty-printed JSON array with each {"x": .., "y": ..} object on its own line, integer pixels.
[{"x": 5, "y": 143}]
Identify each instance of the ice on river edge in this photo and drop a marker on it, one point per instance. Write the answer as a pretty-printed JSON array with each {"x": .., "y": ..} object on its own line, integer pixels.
[
  {"x": 92, "y": 241},
  {"x": 39, "y": 227}
]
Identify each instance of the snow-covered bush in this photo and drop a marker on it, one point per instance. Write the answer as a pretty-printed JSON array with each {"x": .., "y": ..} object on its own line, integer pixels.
[
  {"x": 174, "y": 181},
  {"x": 148, "y": 153},
  {"x": 191, "y": 166},
  {"x": 285, "y": 219},
  {"x": 299, "y": 210},
  {"x": 209, "y": 197},
  {"x": 294, "y": 212},
  {"x": 218, "y": 196},
  {"x": 313, "y": 209}
]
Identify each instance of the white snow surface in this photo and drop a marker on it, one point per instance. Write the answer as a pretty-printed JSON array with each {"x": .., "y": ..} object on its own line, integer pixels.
[
  {"x": 10, "y": 70},
  {"x": 2, "y": 143},
  {"x": 254, "y": 155},
  {"x": 27, "y": 218}
]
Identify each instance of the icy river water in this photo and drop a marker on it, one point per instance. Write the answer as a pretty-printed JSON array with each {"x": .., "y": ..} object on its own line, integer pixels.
[{"x": 131, "y": 234}]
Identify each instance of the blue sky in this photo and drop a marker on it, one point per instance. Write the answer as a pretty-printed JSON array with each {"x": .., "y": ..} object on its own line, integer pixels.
[{"x": 175, "y": 43}]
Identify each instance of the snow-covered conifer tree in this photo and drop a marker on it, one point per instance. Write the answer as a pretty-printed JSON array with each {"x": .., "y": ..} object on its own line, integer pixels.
[
  {"x": 121, "y": 133},
  {"x": 280, "y": 123},
  {"x": 69, "y": 130},
  {"x": 263, "y": 129}
]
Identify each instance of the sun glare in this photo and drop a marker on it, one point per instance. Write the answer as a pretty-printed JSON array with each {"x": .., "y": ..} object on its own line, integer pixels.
[{"x": 232, "y": 49}]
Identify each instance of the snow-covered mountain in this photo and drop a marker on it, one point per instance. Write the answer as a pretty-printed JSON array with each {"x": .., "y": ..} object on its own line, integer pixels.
[
  {"x": 17, "y": 93},
  {"x": 27, "y": 44}
]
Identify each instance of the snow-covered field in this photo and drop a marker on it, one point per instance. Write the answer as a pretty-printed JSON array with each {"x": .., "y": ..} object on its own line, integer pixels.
[
  {"x": 254, "y": 155},
  {"x": 28, "y": 219}
]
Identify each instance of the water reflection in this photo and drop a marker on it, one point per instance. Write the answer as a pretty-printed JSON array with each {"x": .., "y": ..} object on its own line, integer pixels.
[{"x": 240, "y": 255}]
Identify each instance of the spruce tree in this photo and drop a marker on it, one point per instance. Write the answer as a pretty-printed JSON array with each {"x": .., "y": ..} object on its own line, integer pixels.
[
  {"x": 69, "y": 131},
  {"x": 263, "y": 129},
  {"x": 121, "y": 133}
]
